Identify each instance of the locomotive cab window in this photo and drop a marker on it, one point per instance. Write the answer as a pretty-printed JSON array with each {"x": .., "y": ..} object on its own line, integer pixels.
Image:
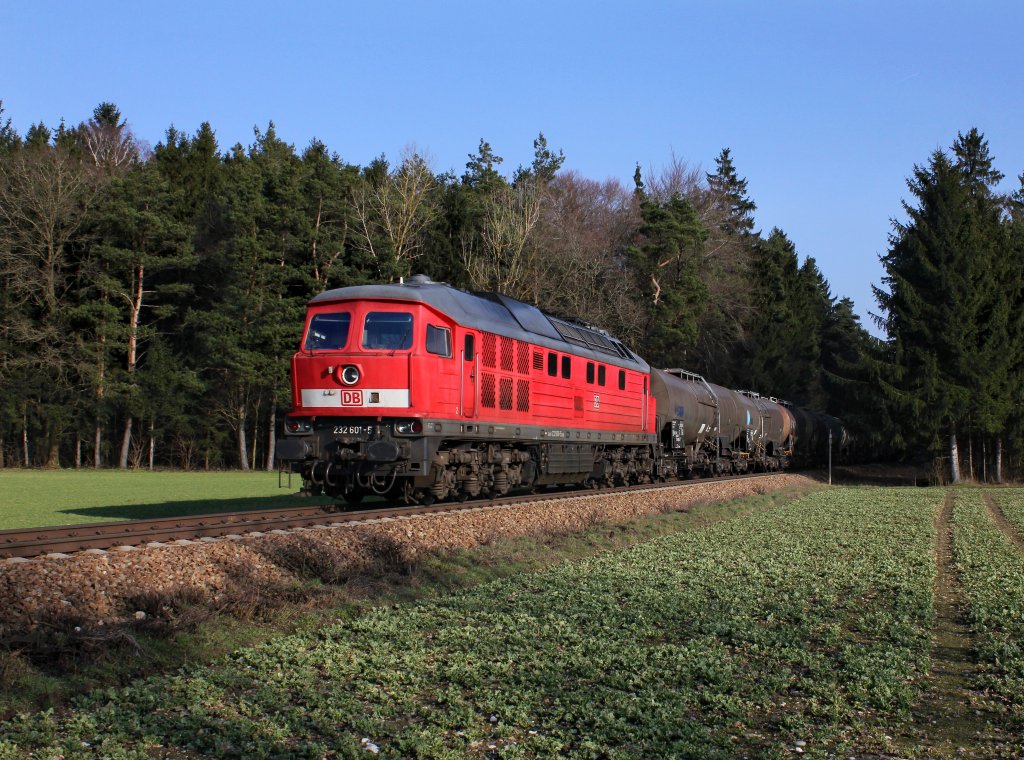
[
  {"x": 328, "y": 332},
  {"x": 622, "y": 379},
  {"x": 439, "y": 341},
  {"x": 388, "y": 331},
  {"x": 553, "y": 365},
  {"x": 590, "y": 372},
  {"x": 566, "y": 367},
  {"x": 600, "y": 374}
]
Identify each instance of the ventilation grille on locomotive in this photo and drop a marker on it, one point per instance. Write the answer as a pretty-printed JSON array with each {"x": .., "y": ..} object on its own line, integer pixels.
[
  {"x": 505, "y": 393},
  {"x": 489, "y": 352}
]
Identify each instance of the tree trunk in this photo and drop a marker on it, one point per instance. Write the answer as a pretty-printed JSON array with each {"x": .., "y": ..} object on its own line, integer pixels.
[
  {"x": 954, "y": 458},
  {"x": 100, "y": 391},
  {"x": 999, "y": 460},
  {"x": 135, "y": 303},
  {"x": 78, "y": 451},
  {"x": 126, "y": 442},
  {"x": 271, "y": 441},
  {"x": 24, "y": 435},
  {"x": 53, "y": 457},
  {"x": 243, "y": 447},
  {"x": 152, "y": 445},
  {"x": 970, "y": 457},
  {"x": 984, "y": 460},
  {"x": 255, "y": 439}
]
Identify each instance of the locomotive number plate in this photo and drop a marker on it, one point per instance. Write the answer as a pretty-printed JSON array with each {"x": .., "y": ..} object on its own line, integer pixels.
[{"x": 362, "y": 431}]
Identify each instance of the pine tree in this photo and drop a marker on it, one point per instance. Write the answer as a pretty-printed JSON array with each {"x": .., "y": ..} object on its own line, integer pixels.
[
  {"x": 545, "y": 164},
  {"x": 666, "y": 266},
  {"x": 143, "y": 255},
  {"x": 480, "y": 169}
]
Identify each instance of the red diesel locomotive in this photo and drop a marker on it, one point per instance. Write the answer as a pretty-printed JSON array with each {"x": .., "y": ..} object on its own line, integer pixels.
[{"x": 420, "y": 391}]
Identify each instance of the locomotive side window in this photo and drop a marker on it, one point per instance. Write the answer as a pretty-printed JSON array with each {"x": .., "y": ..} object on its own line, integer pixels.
[
  {"x": 590, "y": 372},
  {"x": 622, "y": 379},
  {"x": 439, "y": 341},
  {"x": 390, "y": 331},
  {"x": 468, "y": 348},
  {"x": 553, "y": 365},
  {"x": 600, "y": 374},
  {"x": 328, "y": 331},
  {"x": 566, "y": 367}
]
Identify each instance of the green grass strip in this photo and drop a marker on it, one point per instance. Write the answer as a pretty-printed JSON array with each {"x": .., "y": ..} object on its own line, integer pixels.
[
  {"x": 807, "y": 623},
  {"x": 39, "y": 498},
  {"x": 992, "y": 574}
]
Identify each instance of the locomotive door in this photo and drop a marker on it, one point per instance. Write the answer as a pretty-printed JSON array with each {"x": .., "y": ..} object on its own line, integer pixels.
[{"x": 470, "y": 361}]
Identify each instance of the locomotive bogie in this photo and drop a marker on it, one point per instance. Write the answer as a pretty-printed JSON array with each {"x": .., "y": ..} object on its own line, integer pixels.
[{"x": 454, "y": 459}]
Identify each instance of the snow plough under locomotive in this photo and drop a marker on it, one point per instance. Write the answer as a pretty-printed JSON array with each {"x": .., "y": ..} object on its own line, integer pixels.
[{"x": 420, "y": 391}]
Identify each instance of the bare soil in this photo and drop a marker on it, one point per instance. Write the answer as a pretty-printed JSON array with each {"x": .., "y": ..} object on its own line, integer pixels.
[
  {"x": 951, "y": 719},
  {"x": 996, "y": 513}
]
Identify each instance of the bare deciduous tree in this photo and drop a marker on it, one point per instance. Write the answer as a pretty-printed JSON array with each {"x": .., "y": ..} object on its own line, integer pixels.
[
  {"x": 44, "y": 196},
  {"x": 108, "y": 140},
  {"x": 505, "y": 261},
  {"x": 324, "y": 262},
  {"x": 396, "y": 208},
  {"x": 585, "y": 226},
  {"x": 678, "y": 178}
]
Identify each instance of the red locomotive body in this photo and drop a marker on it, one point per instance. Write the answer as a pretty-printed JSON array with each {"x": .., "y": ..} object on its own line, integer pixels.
[{"x": 423, "y": 391}]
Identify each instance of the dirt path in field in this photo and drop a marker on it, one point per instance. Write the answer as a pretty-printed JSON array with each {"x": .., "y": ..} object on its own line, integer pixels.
[
  {"x": 950, "y": 720},
  {"x": 999, "y": 518}
]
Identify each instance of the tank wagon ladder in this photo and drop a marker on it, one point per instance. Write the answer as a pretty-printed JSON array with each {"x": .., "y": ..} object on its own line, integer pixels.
[{"x": 693, "y": 377}]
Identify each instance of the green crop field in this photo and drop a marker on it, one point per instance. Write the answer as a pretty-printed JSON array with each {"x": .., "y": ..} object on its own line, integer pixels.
[
  {"x": 992, "y": 573},
  {"x": 37, "y": 498},
  {"x": 803, "y": 630},
  {"x": 804, "y": 624}
]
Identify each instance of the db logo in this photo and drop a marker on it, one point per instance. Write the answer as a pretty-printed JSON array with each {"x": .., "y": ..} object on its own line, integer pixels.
[{"x": 351, "y": 398}]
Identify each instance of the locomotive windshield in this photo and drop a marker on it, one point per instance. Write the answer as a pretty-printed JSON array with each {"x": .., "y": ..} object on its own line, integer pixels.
[
  {"x": 390, "y": 331},
  {"x": 328, "y": 331}
]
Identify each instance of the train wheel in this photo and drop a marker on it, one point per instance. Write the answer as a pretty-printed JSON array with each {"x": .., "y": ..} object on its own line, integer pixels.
[{"x": 353, "y": 497}]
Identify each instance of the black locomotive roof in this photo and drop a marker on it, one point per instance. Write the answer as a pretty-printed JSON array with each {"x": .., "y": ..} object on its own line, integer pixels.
[{"x": 496, "y": 313}]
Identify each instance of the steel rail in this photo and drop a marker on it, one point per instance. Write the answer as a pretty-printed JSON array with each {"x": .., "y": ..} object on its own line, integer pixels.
[{"x": 65, "y": 539}]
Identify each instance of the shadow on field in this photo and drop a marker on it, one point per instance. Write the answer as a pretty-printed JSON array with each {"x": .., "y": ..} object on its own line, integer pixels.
[
  {"x": 172, "y": 508},
  {"x": 886, "y": 475}
]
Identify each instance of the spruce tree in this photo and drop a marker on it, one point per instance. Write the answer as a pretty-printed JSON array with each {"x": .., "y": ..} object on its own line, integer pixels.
[
  {"x": 729, "y": 197},
  {"x": 944, "y": 314}
]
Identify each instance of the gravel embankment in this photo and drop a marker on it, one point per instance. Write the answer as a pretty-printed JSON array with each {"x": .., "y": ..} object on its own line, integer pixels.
[{"x": 93, "y": 589}]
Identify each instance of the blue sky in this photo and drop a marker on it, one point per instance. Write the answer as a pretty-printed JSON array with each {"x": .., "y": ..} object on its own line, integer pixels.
[{"x": 826, "y": 106}]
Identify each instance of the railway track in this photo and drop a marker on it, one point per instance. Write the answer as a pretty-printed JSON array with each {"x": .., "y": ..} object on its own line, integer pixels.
[{"x": 67, "y": 539}]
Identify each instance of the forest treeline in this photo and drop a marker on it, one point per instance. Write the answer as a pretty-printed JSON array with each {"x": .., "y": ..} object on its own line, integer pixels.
[{"x": 152, "y": 298}]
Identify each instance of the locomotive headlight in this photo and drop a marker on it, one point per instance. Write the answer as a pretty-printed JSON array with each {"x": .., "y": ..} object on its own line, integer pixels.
[
  {"x": 349, "y": 374},
  {"x": 293, "y": 426},
  {"x": 409, "y": 427}
]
